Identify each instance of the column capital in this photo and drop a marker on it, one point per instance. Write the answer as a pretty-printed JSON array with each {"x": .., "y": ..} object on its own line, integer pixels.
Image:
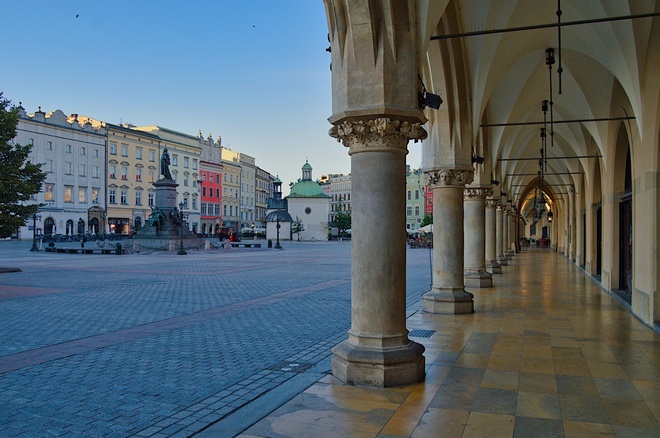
[
  {"x": 450, "y": 177},
  {"x": 377, "y": 134},
  {"x": 477, "y": 192},
  {"x": 492, "y": 202}
]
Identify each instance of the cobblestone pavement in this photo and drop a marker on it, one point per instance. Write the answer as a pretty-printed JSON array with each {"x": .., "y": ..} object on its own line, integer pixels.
[{"x": 156, "y": 344}]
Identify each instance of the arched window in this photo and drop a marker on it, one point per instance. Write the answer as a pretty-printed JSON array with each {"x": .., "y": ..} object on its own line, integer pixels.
[
  {"x": 69, "y": 227},
  {"x": 81, "y": 227}
]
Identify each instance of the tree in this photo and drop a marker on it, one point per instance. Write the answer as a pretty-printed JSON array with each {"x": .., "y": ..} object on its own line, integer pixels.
[
  {"x": 342, "y": 222},
  {"x": 297, "y": 227},
  {"x": 428, "y": 220},
  {"x": 19, "y": 178}
]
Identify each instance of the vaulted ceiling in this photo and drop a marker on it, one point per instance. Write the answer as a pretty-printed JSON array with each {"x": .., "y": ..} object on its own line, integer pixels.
[{"x": 494, "y": 81}]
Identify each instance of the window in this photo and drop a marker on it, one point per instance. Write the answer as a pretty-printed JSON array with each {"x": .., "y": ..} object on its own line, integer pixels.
[
  {"x": 152, "y": 155},
  {"x": 113, "y": 148},
  {"x": 203, "y": 176},
  {"x": 124, "y": 197},
  {"x": 231, "y": 178},
  {"x": 152, "y": 175},
  {"x": 96, "y": 153},
  {"x": 95, "y": 172},
  {"x": 138, "y": 174},
  {"x": 151, "y": 199},
  {"x": 112, "y": 196},
  {"x": 95, "y": 196},
  {"x": 175, "y": 160},
  {"x": 49, "y": 166},
  {"x": 82, "y": 194},
  {"x": 186, "y": 162},
  {"x": 409, "y": 195},
  {"x": 113, "y": 171},
  {"x": 416, "y": 210},
  {"x": 124, "y": 173},
  {"x": 217, "y": 193},
  {"x": 225, "y": 177},
  {"x": 203, "y": 192},
  {"x": 83, "y": 169},
  {"x": 409, "y": 210},
  {"x": 194, "y": 164},
  {"x": 30, "y": 142},
  {"x": 68, "y": 168},
  {"x": 83, "y": 151},
  {"x": 231, "y": 210},
  {"x": 68, "y": 149},
  {"x": 194, "y": 203},
  {"x": 48, "y": 191},
  {"x": 68, "y": 194},
  {"x": 224, "y": 210},
  {"x": 416, "y": 194},
  {"x": 185, "y": 203},
  {"x": 202, "y": 209},
  {"x": 138, "y": 197},
  {"x": 138, "y": 153},
  {"x": 124, "y": 150},
  {"x": 185, "y": 180}
]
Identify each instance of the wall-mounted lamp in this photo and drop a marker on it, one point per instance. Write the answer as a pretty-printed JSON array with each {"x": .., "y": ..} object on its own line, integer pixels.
[
  {"x": 550, "y": 216},
  {"x": 477, "y": 159},
  {"x": 428, "y": 99}
]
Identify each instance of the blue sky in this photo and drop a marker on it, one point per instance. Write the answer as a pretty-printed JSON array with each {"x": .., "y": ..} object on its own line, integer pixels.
[{"x": 252, "y": 71}]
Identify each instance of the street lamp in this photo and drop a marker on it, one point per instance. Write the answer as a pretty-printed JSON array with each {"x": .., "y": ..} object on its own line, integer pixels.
[
  {"x": 35, "y": 218},
  {"x": 182, "y": 218},
  {"x": 278, "y": 226}
]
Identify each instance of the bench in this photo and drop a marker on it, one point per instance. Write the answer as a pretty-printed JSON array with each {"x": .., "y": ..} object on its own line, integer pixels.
[
  {"x": 82, "y": 250},
  {"x": 245, "y": 245}
]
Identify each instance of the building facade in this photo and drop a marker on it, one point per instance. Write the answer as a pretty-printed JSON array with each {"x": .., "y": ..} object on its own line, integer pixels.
[
  {"x": 338, "y": 188},
  {"x": 263, "y": 191},
  {"x": 231, "y": 192},
  {"x": 73, "y": 155},
  {"x": 246, "y": 186},
  {"x": 415, "y": 198},
  {"x": 210, "y": 184}
]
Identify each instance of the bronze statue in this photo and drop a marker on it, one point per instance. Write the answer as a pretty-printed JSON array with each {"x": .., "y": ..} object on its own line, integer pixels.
[{"x": 165, "y": 165}]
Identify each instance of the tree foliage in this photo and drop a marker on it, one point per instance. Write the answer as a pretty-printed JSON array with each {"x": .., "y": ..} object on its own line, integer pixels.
[
  {"x": 19, "y": 178},
  {"x": 342, "y": 222},
  {"x": 428, "y": 220},
  {"x": 297, "y": 227}
]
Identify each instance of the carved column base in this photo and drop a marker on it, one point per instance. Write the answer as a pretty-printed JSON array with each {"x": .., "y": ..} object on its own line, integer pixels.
[
  {"x": 478, "y": 279},
  {"x": 448, "y": 301},
  {"x": 502, "y": 260},
  {"x": 384, "y": 367},
  {"x": 494, "y": 267}
]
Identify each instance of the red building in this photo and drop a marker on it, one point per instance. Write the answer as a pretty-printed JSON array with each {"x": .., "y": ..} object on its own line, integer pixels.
[
  {"x": 210, "y": 188},
  {"x": 429, "y": 200}
]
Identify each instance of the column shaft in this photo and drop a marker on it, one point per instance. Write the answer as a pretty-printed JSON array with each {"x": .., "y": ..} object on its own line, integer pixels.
[
  {"x": 447, "y": 294},
  {"x": 474, "y": 223},
  {"x": 499, "y": 235},
  {"x": 491, "y": 257},
  {"x": 378, "y": 351}
]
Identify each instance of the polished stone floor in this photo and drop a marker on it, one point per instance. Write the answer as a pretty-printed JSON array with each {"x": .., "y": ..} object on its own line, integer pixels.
[{"x": 546, "y": 354}]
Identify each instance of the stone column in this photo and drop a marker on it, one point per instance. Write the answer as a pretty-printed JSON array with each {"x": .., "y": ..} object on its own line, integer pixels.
[
  {"x": 491, "y": 257},
  {"x": 378, "y": 351},
  {"x": 499, "y": 235},
  {"x": 447, "y": 294},
  {"x": 511, "y": 234},
  {"x": 571, "y": 223},
  {"x": 507, "y": 234},
  {"x": 474, "y": 223}
]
